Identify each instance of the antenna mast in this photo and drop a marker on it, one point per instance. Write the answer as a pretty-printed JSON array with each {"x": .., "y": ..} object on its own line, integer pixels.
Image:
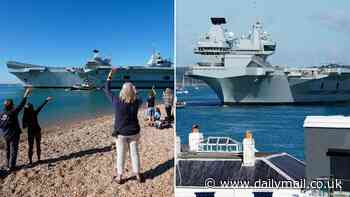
[{"x": 255, "y": 10}]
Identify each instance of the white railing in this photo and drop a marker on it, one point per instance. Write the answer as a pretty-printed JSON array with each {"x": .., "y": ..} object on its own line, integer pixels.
[{"x": 220, "y": 144}]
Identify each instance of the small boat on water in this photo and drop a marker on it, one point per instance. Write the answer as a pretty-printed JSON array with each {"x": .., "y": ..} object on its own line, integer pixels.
[
  {"x": 82, "y": 86},
  {"x": 181, "y": 91},
  {"x": 180, "y": 104}
]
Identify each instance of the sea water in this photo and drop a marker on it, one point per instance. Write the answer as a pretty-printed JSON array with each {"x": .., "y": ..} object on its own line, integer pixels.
[
  {"x": 275, "y": 128},
  {"x": 67, "y": 106}
]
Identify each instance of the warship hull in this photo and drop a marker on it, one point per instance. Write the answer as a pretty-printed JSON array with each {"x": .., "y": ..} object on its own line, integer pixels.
[
  {"x": 279, "y": 89},
  {"x": 236, "y": 68},
  {"x": 43, "y": 77},
  {"x": 49, "y": 77}
]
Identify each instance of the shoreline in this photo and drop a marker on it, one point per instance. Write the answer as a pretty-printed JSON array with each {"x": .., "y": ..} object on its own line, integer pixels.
[
  {"x": 52, "y": 127},
  {"x": 78, "y": 159}
]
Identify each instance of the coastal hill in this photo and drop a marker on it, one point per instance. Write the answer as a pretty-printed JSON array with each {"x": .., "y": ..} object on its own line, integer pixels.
[{"x": 78, "y": 160}]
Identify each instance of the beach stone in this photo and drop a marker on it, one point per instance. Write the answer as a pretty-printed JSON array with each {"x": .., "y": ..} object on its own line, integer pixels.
[{"x": 78, "y": 160}]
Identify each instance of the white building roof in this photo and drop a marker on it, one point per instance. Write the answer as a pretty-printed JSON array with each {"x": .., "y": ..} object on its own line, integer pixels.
[{"x": 339, "y": 121}]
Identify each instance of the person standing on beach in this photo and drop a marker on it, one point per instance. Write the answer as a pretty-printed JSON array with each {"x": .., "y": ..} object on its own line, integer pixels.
[
  {"x": 150, "y": 105},
  {"x": 13, "y": 129},
  {"x": 168, "y": 99},
  {"x": 126, "y": 127},
  {"x": 30, "y": 121}
]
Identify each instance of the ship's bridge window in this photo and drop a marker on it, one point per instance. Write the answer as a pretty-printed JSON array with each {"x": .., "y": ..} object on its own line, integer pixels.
[
  {"x": 126, "y": 77},
  {"x": 269, "y": 47}
]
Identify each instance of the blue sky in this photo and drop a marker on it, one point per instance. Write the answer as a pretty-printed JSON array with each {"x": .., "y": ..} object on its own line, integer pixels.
[
  {"x": 64, "y": 33},
  {"x": 307, "y": 33}
]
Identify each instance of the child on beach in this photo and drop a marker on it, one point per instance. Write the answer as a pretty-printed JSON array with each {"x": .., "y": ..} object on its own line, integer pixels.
[
  {"x": 30, "y": 121},
  {"x": 126, "y": 127},
  {"x": 157, "y": 114},
  {"x": 157, "y": 120},
  {"x": 10, "y": 124}
]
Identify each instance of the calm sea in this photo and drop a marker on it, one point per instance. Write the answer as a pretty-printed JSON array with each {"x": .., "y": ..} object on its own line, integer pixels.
[
  {"x": 67, "y": 106},
  {"x": 277, "y": 128}
]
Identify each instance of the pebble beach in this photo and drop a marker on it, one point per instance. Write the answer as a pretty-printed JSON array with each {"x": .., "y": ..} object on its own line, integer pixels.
[{"x": 78, "y": 160}]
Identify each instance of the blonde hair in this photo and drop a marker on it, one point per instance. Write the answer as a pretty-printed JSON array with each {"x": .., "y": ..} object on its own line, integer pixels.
[
  {"x": 128, "y": 93},
  {"x": 168, "y": 91}
]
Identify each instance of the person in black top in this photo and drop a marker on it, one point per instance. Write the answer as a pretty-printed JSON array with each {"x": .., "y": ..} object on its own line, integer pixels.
[
  {"x": 14, "y": 129},
  {"x": 168, "y": 98},
  {"x": 30, "y": 121},
  {"x": 150, "y": 105},
  {"x": 126, "y": 127}
]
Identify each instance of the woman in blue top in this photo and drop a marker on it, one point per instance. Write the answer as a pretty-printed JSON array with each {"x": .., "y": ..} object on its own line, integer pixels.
[{"x": 126, "y": 126}]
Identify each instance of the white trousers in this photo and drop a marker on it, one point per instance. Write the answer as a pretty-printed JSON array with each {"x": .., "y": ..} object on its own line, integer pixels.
[{"x": 122, "y": 144}]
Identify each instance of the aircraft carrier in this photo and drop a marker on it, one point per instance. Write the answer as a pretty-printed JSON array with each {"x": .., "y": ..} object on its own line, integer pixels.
[
  {"x": 236, "y": 68},
  {"x": 158, "y": 72}
]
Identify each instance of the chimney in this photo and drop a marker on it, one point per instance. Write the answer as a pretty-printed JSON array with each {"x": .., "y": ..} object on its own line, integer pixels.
[
  {"x": 195, "y": 138},
  {"x": 248, "y": 150}
]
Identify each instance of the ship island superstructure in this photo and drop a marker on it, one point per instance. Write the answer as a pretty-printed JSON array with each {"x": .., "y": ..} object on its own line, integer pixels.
[
  {"x": 158, "y": 73},
  {"x": 236, "y": 68}
]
